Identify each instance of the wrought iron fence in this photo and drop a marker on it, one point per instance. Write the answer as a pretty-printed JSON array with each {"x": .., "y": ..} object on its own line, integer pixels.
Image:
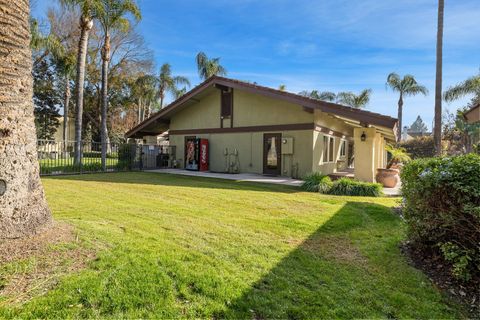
[{"x": 56, "y": 158}]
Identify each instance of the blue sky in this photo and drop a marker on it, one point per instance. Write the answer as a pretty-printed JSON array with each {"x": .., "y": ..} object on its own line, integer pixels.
[{"x": 335, "y": 45}]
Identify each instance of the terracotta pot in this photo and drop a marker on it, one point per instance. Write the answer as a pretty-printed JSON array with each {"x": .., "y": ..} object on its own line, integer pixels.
[
  {"x": 396, "y": 165},
  {"x": 388, "y": 177}
]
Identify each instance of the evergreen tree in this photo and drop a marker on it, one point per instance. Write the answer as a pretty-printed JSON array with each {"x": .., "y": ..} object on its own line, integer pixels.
[
  {"x": 46, "y": 99},
  {"x": 418, "y": 126}
]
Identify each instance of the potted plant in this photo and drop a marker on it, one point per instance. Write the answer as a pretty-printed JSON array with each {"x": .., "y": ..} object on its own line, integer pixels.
[{"x": 389, "y": 177}]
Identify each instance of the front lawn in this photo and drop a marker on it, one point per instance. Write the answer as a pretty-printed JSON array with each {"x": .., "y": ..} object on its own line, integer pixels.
[{"x": 175, "y": 246}]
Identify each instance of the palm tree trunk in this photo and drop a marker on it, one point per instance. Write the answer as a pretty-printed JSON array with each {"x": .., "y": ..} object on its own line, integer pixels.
[
  {"x": 86, "y": 25},
  {"x": 23, "y": 209},
  {"x": 139, "y": 108},
  {"x": 66, "y": 104},
  {"x": 400, "y": 115},
  {"x": 104, "y": 132},
  {"x": 437, "y": 132},
  {"x": 161, "y": 98}
]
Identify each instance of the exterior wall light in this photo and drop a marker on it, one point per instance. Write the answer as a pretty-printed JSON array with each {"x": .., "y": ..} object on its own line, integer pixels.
[{"x": 363, "y": 137}]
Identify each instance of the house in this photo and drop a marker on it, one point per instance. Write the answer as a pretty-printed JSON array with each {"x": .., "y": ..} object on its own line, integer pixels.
[
  {"x": 58, "y": 137},
  {"x": 257, "y": 129},
  {"x": 473, "y": 114}
]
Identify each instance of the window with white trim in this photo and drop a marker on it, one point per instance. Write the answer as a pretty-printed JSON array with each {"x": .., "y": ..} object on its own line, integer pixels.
[
  {"x": 328, "y": 149},
  {"x": 343, "y": 148}
]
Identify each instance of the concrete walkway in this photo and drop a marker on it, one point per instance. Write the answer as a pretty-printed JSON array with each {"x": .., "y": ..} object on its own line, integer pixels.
[
  {"x": 251, "y": 177},
  {"x": 246, "y": 177}
]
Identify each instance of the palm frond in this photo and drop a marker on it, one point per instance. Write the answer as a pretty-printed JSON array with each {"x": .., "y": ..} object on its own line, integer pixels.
[{"x": 469, "y": 86}]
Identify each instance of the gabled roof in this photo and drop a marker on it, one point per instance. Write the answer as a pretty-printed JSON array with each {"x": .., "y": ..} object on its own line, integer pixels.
[
  {"x": 163, "y": 116},
  {"x": 472, "y": 115}
]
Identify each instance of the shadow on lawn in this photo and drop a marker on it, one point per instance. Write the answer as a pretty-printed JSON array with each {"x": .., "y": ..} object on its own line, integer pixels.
[
  {"x": 329, "y": 276},
  {"x": 162, "y": 179}
]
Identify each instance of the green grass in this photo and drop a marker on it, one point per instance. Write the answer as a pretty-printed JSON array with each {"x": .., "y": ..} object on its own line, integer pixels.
[{"x": 174, "y": 246}]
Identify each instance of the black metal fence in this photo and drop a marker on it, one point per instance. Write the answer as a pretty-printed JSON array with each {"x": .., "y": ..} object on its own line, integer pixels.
[{"x": 56, "y": 158}]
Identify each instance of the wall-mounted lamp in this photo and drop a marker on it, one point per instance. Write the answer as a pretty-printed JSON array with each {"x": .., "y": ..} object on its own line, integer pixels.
[{"x": 363, "y": 137}]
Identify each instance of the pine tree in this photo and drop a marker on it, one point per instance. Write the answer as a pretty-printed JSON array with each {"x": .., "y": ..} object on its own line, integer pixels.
[{"x": 418, "y": 126}]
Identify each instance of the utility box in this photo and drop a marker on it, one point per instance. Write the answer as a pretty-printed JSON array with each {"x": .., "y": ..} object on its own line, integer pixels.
[{"x": 287, "y": 145}]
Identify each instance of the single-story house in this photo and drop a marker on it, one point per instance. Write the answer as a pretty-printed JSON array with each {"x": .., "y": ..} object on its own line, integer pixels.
[
  {"x": 256, "y": 129},
  {"x": 472, "y": 115}
]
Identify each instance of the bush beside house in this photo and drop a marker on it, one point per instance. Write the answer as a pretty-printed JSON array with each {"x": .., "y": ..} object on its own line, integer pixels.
[
  {"x": 318, "y": 182},
  {"x": 442, "y": 209}
]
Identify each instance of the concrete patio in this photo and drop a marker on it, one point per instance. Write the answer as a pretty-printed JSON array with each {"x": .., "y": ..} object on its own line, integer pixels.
[{"x": 251, "y": 177}]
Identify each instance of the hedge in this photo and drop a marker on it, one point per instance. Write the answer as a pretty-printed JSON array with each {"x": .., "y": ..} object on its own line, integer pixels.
[
  {"x": 420, "y": 147},
  {"x": 350, "y": 187},
  {"x": 318, "y": 182},
  {"x": 442, "y": 209}
]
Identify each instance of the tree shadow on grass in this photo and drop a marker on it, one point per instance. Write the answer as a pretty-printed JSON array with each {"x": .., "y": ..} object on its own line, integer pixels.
[
  {"x": 162, "y": 179},
  {"x": 351, "y": 267}
]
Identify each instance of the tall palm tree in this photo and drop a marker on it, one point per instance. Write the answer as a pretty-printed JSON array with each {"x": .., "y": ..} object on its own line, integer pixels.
[
  {"x": 469, "y": 86},
  {"x": 65, "y": 65},
  {"x": 88, "y": 9},
  {"x": 437, "y": 130},
  {"x": 169, "y": 83},
  {"x": 355, "y": 101},
  {"x": 144, "y": 91},
  {"x": 209, "y": 67},
  {"x": 23, "y": 209},
  {"x": 49, "y": 44},
  {"x": 406, "y": 86},
  {"x": 322, "y": 95},
  {"x": 112, "y": 15}
]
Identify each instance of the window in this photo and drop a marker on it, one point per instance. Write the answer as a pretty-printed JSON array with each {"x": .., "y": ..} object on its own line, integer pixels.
[
  {"x": 227, "y": 104},
  {"x": 328, "y": 149},
  {"x": 325, "y": 149},
  {"x": 343, "y": 148}
]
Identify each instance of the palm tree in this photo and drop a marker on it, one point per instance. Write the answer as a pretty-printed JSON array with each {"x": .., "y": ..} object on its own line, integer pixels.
[
  {"x": 47, "y": 43},
  {"x": 179, "y": 92},
  {"x": 169, "y": 83},
  {"x": 355, "y": 101},
  {"x": 437, "y": 130},
  {"x": 144, "y": 91},
  {"x": 282, "y": 87},
  {"x": 23, "y": 209},
  {"x": 322, "y": 95},
  {"x": 469, "y": 86},
  {"x": 88, "y": 9},
  {"x": 111, "y": 15},
  {"x": 406, "y": 86},
  {"x": 65, "y": 65},
  {"x": 209, "y": 67}
]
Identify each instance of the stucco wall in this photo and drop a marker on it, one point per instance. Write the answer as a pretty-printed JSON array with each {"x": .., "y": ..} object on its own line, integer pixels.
[
  {"x": 254, "y": 109},
  {"x": 200, "y": 115},
  {"x": 250, "y": 151}
]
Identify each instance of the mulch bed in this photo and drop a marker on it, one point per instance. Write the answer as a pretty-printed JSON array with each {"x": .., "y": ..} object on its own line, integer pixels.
[
  {"x": 40, "y": 261},
  {"x": 439, "y": 271}
]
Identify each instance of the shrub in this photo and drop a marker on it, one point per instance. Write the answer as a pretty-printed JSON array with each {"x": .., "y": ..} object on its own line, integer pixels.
[
  {"x": 420, "y": 147},
  {"x": 317, "y": 182},
  {"x": 350, "y": 187},
  {"x": 92, "y": 154},
  {"x": 442, "y": 209},
  {"x": 126, "y": 156}
]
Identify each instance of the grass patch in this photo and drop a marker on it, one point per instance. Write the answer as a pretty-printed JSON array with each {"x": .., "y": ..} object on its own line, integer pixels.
[{"x": 180, "y": 246}]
